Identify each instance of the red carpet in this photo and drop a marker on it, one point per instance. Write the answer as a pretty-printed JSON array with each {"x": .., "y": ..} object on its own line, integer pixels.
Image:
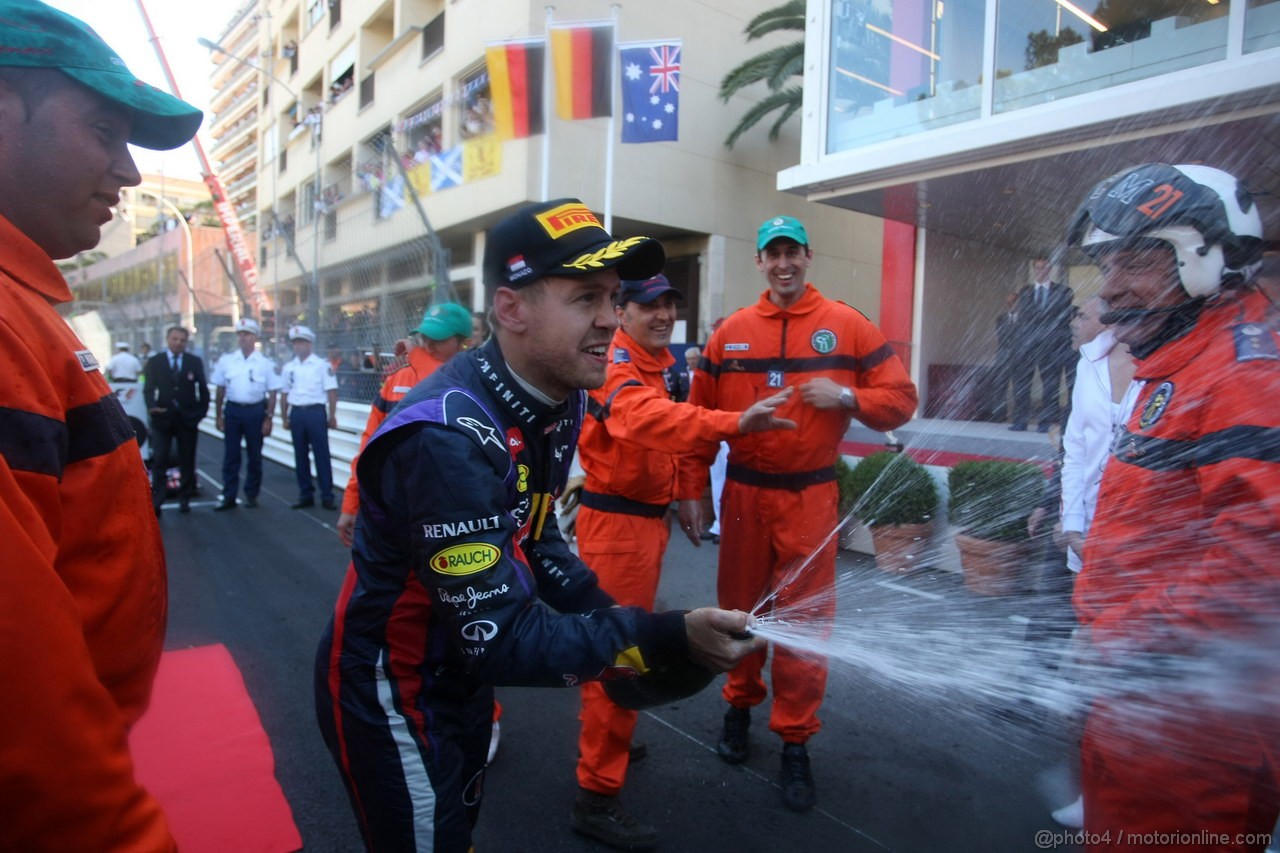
[{"x": 202, "y": 753}]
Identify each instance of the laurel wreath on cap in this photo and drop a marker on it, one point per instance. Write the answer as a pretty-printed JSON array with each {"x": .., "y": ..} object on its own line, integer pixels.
[{"x": 616, "y": 249}]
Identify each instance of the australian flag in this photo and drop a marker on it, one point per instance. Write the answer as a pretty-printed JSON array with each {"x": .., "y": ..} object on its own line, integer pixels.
[{"x": 650, "y": 91}]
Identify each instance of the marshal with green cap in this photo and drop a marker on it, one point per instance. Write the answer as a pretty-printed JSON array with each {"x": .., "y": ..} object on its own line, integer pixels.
[
  {"x": 35, "y": 35},
  {"x": 779, "y": 227},
  {"x": 444, "y": 321}
]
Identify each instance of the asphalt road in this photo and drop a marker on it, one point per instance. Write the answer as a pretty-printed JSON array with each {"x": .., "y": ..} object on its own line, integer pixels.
[{"x": 895, "y": 770}]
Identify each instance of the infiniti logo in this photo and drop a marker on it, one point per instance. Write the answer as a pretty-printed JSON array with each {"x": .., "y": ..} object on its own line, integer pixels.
[{"x": 479, "y": 632}]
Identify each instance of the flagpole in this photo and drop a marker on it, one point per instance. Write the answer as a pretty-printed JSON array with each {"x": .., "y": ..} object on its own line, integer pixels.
[
  {"x": 613, "y": 116},
  {"x": 546, "y": 108}
]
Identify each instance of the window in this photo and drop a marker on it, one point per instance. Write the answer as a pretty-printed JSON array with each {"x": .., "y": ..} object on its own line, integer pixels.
[
  {"x": 433, "y": 37},
  {"x": 309, "y": 199},
  {"x": 366, "y": 90},
  {"x": 1046, "y": 51},
  {"x": 475, "y": 109},
  {"x": 423, "y": 131},
  {"x": 903, "y": 66},
  {"x": 315, "y": 11},
  {"x": 335, "y": 13}
]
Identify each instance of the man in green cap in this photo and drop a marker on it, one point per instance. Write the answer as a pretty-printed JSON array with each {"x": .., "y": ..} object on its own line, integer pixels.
[{"x": 82, "y": 617}]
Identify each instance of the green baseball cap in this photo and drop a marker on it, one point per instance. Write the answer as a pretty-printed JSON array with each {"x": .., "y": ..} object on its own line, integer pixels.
[
  {"x": 781, "y": 226},
  {"x": 34, "y": 35},
  {"x": 444, "y": 321}
]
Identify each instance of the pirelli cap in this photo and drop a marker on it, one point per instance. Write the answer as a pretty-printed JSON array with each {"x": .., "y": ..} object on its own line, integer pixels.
[
  {"x": 563, "y": 238},
  {"x": 34, "y": 35},
  {"x": 301, "y": 333},
  {"x": 248, "y": 324}
]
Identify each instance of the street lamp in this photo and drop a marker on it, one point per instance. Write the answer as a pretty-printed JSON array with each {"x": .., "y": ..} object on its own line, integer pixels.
[{"x": 312, "y": 276}]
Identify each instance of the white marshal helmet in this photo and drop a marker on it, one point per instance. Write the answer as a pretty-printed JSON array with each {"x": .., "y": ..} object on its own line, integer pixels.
[{"x": 1206, "y": 215}]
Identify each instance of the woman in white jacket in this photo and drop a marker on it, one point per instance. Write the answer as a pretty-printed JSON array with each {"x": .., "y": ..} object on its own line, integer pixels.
[{"x": 1100, "y": 402}]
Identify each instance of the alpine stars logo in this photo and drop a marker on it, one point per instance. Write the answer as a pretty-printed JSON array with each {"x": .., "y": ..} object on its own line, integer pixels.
[
  {"x": 465, "y": 559},
  {"x": 823, "y": 341},
  {"x": 483, "y": 431}
]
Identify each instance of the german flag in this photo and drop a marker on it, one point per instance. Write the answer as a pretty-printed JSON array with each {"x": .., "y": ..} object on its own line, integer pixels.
[
  {"x": 583, "y": 55},
  {"x": 515, "y": 86}
]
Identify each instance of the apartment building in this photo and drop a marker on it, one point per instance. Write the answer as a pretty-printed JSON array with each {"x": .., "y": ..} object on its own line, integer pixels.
[
  {"x": 239, "y": 99},
  {"x": 974, "y": 126},
  {"x": 350, "y": 86}
]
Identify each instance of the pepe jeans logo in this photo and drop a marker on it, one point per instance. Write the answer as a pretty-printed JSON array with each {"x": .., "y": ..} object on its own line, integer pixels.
[
  {"x": 562, "y": 220},
  {"x": 823, "y": 341},
  {"x": 465, "y": 559}
]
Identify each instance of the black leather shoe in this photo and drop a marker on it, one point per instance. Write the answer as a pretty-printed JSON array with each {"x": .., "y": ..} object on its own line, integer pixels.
[
  {"x": 184, "y": 506},
  {"x": 798, "y": 793},
  {"x": 224, "y": 505},
  {"x": 603, "y": 818},
  {"x": 733, "y": 746},
  {"x": 329, "y": 504},
  {"x": 303, "y": 503},
  {"x": 250, "y": 502},
  {"x": 1018, "y": 428},
  {"x": 1043, "y": 427}
]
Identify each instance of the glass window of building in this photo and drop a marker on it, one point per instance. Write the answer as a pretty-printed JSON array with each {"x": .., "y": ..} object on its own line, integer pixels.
[
  {"x": 1261, "y": 25},
  {"x": 475, "y": 110},
  {"x": 900, "y": 67},
  {"x": 1052, "y": 49}
]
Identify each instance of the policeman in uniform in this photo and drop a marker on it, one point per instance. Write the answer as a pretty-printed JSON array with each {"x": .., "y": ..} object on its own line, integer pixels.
[
  {"x": 309, "y": 388},
  {"x": 247, "y": 381}
]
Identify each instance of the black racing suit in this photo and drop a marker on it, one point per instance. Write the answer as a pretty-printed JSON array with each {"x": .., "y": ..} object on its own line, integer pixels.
[{"x": 460, "y": 580}]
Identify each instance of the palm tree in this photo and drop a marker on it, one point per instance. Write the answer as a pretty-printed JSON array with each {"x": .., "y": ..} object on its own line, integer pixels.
[{"x": 773, "y": 67}]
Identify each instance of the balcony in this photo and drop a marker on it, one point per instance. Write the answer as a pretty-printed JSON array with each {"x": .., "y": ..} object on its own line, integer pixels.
[{"x": 239, "y": 157}]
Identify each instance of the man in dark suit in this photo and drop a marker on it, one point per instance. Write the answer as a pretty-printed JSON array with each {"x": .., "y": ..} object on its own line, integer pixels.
[
  {"x": 1044, "y": 310},
  {"x": 177, "y": 396}
]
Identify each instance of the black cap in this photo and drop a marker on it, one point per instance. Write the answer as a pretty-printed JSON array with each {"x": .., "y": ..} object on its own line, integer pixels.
[
  {"x": 564, "y": 238},
  {"x": 661, "y": 685},
  {"x": 646, "y": 291}
]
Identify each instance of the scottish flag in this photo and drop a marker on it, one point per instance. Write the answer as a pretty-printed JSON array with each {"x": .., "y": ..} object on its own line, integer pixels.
[
  {"x": 446, "y": 169},
  {"x": 650, "y": 91}
]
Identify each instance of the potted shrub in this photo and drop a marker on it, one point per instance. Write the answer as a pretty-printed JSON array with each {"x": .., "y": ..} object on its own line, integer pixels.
[
  {"x": 896, "y": 498},
  {"x": 844, "y": 485},
  {"x": 990, "y": 501}
]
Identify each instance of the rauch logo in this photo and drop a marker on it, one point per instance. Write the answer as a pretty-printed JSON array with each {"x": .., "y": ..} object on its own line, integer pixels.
[{"x": 465, "y": 559}]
